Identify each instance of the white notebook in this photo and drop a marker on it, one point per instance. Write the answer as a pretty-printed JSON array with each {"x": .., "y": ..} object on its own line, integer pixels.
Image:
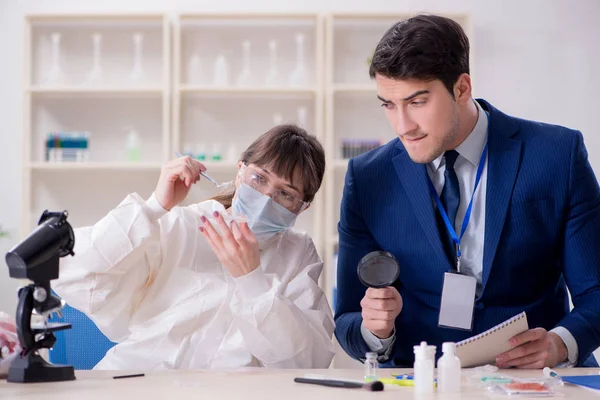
[{"x": 483, "y": 348}]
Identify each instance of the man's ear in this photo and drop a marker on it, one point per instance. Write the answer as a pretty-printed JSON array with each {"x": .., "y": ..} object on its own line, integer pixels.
[{"x": 463, "y": 89}]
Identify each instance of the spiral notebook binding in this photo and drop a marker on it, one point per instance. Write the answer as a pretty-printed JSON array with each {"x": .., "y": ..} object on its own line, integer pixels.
[{"x": 491, "y": 330}]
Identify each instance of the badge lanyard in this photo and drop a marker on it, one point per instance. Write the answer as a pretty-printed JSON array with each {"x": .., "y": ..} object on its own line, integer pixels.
[{"x": 450, "y": 225}]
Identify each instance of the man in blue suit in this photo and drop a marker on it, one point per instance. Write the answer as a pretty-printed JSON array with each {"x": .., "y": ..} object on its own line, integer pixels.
[{"x": 533, "y": 228}]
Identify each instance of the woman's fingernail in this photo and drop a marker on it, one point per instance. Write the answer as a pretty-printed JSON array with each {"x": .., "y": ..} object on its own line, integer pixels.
[
  {"x": 216, "y": 214},
  {"x": 203, "y": 218},
  {"x": 202, "y": 229}
]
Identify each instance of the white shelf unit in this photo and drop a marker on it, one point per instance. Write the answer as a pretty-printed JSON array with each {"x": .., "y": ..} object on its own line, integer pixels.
[
  {"x": 354, "y": 87},
  {"x": 94, "y": 166},
  {"x": 181, "y": 107},
  {"x": 107, "y": 108},
  {"x": 256, "y": 90},
  {"x": 91, "y": 90},
  {"x": 209, "y": 112},
  {"x": 352, "y": 109}
]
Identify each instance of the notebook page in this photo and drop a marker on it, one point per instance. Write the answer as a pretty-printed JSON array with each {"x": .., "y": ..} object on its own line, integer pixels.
[{"x": 482, "y": 349}]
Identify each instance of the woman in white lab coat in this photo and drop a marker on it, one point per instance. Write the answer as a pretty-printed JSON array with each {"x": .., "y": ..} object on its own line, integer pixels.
[{"x": 194, "y": 287}]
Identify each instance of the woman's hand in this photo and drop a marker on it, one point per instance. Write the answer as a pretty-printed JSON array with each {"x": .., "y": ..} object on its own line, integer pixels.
[
  {"x": 236, "y": 248},
  {"x": 176, "y": 179}
]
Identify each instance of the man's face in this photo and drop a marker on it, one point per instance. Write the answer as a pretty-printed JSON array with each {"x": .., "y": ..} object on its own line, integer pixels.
[{"x": 423, "y": 114}]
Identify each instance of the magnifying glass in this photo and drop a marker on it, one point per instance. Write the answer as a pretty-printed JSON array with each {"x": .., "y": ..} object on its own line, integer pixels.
[{"x": 378, "y": 269}]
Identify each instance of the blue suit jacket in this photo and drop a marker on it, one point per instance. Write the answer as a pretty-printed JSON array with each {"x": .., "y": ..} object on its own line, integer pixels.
[{"x": 542, "y": 229}]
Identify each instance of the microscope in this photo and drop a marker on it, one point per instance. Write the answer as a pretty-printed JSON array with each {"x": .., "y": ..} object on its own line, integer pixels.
[{"x": 36, "y": 259}]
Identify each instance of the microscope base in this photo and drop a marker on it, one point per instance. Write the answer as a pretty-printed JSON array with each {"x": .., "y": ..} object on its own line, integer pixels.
[{"x": 33, "y": 368}]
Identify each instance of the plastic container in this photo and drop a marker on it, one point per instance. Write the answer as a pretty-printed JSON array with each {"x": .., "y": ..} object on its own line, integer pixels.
[
  {"x": 449, "y": 372},
  {"x": 424, "y": 367},
  {"x": 132, "y": 147},
  {"x": 67, "y": 147}
]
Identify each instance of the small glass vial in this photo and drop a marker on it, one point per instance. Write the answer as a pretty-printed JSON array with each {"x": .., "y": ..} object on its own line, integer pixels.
[{"x": 371, "y": 367}]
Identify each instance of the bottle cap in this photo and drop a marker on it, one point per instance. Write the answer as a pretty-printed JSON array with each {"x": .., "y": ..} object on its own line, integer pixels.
[
  {"x": 423, "y": 351},
  {"x": 449, "y": 347}
]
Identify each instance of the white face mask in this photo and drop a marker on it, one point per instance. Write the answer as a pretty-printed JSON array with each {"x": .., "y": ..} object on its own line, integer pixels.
[{"x": 265, "y": 217}]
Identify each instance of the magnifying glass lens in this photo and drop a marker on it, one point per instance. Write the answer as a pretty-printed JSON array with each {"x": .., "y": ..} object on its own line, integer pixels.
[{"x": 378, "y": 269}]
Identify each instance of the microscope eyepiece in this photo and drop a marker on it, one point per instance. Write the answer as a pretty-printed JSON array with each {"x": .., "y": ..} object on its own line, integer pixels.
[{"x": 52, "y": 238}]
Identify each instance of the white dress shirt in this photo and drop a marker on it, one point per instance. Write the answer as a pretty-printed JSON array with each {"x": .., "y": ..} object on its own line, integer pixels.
[{"x": 471, "y": 262}]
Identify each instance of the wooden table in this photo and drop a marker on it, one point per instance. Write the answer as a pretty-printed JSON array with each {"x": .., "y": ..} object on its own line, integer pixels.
[{"x": 247, "y": 384}]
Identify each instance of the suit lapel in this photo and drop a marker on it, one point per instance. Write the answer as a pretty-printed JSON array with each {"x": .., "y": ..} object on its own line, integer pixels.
[
  {"x": 413, "y": 178},
  {"x": 503, "y": 165}
]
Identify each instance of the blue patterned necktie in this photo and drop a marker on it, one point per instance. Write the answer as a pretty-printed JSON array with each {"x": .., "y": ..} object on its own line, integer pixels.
[{"x": 450, "y": 200}]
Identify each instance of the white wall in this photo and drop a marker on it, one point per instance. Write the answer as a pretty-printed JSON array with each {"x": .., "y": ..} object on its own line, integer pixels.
[{"x": 533, "y": 59}]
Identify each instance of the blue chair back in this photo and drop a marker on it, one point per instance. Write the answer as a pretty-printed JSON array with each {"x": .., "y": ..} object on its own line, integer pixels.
[{"x": 82, "y": 346}]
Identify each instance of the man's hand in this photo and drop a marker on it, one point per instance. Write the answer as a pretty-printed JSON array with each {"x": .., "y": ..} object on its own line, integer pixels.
[
  {"x": 380, "y": 307},
  {"x": 536, "y": 348},
  {"x": 176, "y": 179}
]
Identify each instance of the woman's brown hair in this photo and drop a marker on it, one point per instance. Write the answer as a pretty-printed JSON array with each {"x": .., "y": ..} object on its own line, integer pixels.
[{"x": 285, "y": 149}]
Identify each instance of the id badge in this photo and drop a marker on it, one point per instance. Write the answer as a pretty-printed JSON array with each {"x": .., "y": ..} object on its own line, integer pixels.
[{"x": 458, "y": 301}]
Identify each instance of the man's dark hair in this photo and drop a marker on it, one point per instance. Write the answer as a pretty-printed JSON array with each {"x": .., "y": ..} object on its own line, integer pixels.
[{"x": 425, "y": 47}]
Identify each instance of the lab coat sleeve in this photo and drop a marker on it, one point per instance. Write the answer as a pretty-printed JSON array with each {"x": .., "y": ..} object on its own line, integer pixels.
[
  {"x": 113, "y": 265},
  {"x": 288, "y": 329}
]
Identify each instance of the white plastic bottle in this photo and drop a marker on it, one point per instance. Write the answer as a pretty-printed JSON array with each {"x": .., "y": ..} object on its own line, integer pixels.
[
  {"x": 133, "y": 151},
  {"x": 449, "y": 373},
  {"x": 424, "y": 367}
]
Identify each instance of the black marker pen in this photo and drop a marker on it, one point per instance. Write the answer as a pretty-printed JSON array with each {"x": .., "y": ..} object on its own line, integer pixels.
[{"x": 128, "y": 376}]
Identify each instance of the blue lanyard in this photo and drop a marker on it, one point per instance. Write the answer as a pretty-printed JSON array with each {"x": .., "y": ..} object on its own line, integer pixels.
[{"x": 450, "y": 225}]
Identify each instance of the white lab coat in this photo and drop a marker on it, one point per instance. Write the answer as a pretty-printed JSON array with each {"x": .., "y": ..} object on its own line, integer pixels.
[{"x": 151, "y": 283}]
